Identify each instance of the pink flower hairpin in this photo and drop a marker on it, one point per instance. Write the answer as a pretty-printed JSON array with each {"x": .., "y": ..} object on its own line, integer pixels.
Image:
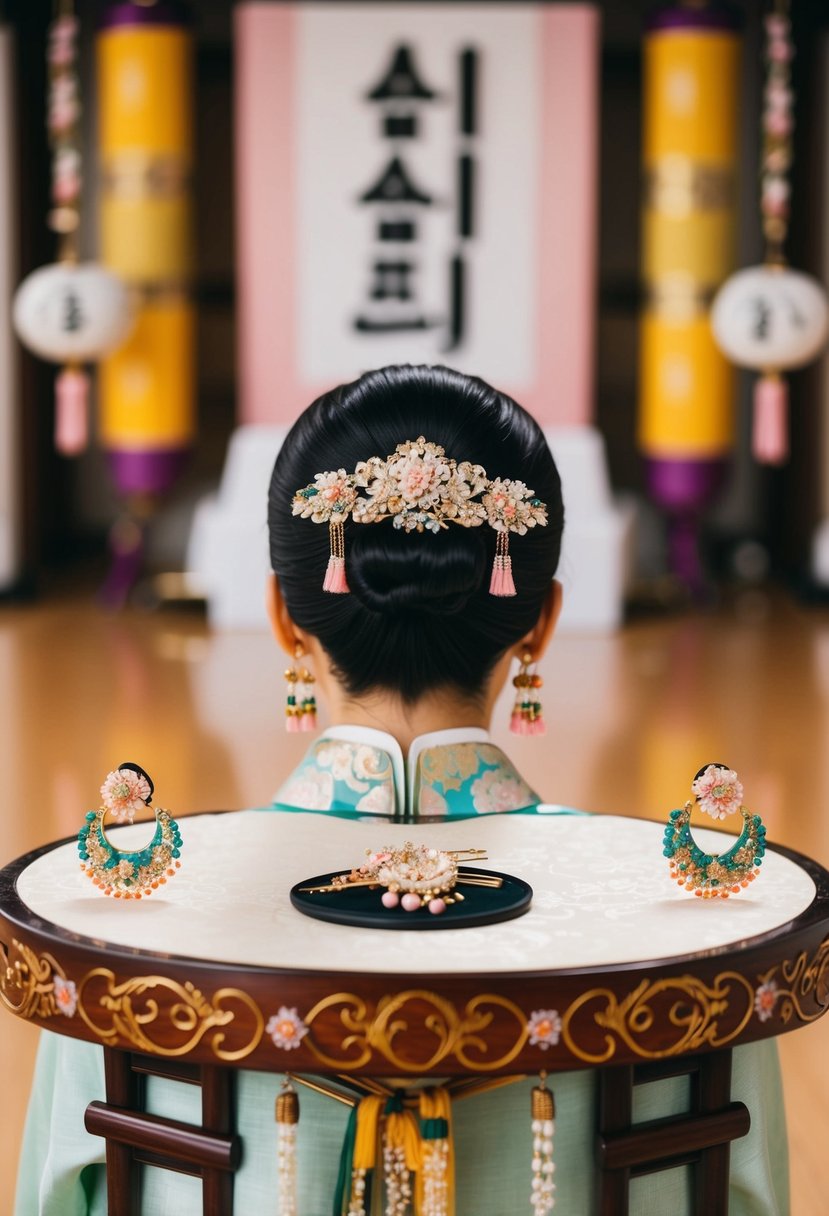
[{"x": 421, "y": 490}]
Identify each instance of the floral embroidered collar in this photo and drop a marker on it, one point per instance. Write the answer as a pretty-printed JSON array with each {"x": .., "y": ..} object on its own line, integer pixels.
[{"x": 447, "y": 774}]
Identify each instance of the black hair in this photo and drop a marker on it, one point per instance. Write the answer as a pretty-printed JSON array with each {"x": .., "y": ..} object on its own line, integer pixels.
[{"x": 419, "y": 616}]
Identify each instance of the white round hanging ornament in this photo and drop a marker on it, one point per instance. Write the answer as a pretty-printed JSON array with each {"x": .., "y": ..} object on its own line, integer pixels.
[
  {"x": 770, "y": 318},
  {"x": 72, "y": 313},
  {"x": 69, "y": 312}
]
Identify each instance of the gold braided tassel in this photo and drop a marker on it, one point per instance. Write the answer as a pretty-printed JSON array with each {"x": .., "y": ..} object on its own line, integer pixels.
[
  {"x": 542, "y": 1196},
  {"x": 287, "y": 1118},
  {"x": 435, "y": 1184},
  {"x": 401, "y": 1155},
  {"x": 364, "y": 1160}
]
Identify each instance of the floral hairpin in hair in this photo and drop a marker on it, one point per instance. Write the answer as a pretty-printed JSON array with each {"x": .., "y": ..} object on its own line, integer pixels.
[{"x": 420, "y": 490}]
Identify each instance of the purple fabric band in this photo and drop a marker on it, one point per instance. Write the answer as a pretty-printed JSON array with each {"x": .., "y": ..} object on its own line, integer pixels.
[
  {"x": 145, "y": 472},
  {"x": 684, "y": 486},
  {"x": 711, "y": 17},
  {"x": 166, "y": 12}
]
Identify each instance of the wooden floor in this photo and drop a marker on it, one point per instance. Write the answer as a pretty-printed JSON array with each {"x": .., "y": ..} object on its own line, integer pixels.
[{"x": 631, "y": 717}]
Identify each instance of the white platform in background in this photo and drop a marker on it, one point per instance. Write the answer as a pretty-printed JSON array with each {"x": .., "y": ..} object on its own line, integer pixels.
[{"x": 227, "y": 555}]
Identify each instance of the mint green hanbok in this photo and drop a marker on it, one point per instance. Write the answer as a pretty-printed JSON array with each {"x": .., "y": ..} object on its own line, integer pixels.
[{"x": 359, "y": 773}]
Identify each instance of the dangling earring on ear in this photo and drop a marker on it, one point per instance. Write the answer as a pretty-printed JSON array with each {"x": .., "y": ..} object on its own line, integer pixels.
[
  {"x": 527, "y": 715},
  {"x": 300, "y": 710},
  {"x": 292, "y": 710},
  {"x": 308, "y": 702}
]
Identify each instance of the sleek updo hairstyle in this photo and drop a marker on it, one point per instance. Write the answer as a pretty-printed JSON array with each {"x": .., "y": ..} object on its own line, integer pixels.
[{"x": 419, "y": 616}]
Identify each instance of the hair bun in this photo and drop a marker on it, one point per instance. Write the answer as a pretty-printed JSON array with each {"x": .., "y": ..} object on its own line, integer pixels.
[{"x": 392, "y": 571}]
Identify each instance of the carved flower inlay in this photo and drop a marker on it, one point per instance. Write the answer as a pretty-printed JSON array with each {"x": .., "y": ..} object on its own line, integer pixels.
[
  {"x": 544, "y": 1028},
  {"x": 286, "y": 1028},
  {"x": 765, "y": 1000},
  {"x": 66, "y": 996}
]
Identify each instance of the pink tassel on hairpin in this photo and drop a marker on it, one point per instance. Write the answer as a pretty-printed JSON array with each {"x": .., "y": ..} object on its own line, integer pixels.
[
  {"x": 335, "y": 580},
  {"x": 502, "y": 583},
  {"x": 503, "y": 579}
]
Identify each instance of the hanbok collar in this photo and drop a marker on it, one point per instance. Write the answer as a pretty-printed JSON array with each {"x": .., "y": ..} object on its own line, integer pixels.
[{"x": 361, "y": 771}]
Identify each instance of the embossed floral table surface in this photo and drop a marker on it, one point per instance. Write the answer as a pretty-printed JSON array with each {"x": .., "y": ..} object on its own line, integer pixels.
[{"x": 602, "y": 896}]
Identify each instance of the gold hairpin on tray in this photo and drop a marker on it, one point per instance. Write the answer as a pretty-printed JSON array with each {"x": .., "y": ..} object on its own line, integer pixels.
[{"x": 413, "y": 878}]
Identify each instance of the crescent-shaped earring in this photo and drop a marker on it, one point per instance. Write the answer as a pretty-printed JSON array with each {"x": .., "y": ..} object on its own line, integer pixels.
[
  {"x": 717, "y": 791},
  {"x": 128, "y": 873}
]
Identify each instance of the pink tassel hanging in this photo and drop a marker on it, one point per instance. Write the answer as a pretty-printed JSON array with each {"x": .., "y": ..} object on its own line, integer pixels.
[
  {"x": 335, "y": 580},
  {"x": 770, "y": 439},
  {"x": 501, "y": 583},
  {"x": 71, "y": 411}
]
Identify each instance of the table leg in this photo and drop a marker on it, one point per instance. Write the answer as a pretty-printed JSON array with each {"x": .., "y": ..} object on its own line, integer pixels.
[
  {"x": 701, "y": 1137},
  {"x": 124, "y": 1088},
  {"x": 211, "y": 1152}
]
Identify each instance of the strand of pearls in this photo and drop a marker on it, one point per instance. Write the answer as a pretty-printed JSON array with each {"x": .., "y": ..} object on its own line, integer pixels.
[
  {"x": 356, "y": 1204},
  {"x": 542, "y": 1196},
  {"x": 397, "y": 1180},
  {"x": 287, "y": 1118},
  {"x": 435, "y": 1187}
]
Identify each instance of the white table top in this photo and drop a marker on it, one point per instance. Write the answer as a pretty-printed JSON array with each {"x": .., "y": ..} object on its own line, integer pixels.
[{"x": 602, "y": 895}]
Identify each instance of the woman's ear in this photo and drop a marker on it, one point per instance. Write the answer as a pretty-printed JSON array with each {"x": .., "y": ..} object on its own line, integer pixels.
[
  {"x": 283, "y": 628},
  {"x": 537, "y": 641}
]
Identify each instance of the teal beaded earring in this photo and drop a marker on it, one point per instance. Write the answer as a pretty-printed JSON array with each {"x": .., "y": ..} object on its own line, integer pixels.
[
  {"x": 128, "y": 873},
  {"x": 717, "y": 791}
]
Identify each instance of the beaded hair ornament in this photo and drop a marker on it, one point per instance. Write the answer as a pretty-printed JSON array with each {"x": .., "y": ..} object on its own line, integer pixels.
[{"x": 420, "y": 490}]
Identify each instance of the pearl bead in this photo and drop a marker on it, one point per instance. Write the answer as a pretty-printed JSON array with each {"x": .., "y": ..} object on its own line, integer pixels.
[
  {"x": 410, "y": 901},
  {"x": 390, "y": 899}
]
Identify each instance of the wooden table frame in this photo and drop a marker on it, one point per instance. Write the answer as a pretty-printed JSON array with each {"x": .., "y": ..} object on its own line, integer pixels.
[{"x": 195, "y": 1021}]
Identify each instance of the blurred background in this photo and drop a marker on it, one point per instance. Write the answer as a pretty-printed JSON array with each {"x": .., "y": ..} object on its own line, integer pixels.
[
  {"x": 760, "y": 522},
  {"x": 243, "y": 205}
]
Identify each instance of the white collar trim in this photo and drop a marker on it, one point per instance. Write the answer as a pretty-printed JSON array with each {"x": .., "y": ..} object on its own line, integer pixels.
[{"x": 405, "y": 768}]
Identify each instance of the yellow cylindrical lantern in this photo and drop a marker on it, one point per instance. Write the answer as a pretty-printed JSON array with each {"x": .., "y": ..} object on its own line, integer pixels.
[
  {"x": 148, "y": 386},
  {"x": 687, "y": 388},
  {"x": 146, "y": 139},
  {"x": 145, "y": 86}
]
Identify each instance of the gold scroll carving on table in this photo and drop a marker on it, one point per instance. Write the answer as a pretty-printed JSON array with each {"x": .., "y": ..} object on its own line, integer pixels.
[{"x": 415, "y": 1030}]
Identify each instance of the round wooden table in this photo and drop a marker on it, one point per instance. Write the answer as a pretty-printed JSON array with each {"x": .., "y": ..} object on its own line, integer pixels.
[{"x": 612, "y": 968}]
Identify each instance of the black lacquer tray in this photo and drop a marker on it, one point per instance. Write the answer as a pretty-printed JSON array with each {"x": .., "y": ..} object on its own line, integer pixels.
[{"x": 361, "y": 907}]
